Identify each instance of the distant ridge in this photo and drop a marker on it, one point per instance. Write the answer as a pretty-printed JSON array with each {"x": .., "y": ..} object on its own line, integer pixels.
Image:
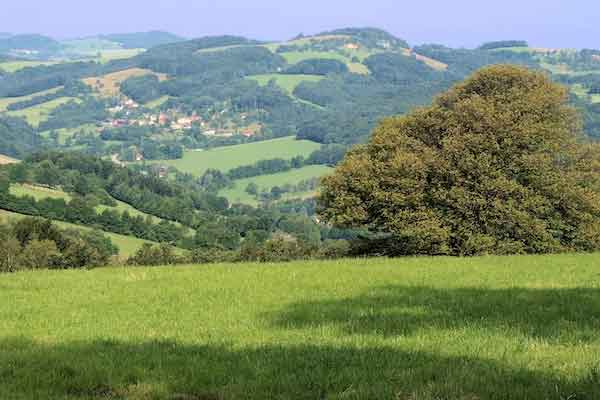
[{"x": 143, "y": 40}]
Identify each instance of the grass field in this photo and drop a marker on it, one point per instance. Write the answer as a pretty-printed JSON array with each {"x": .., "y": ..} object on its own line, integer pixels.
[
  {"x": 294, "y": 57},
  {"x": 117, "y": 54},
  {"x": 229, "y": 157},
  {"x": 6, "y": 101},
  {"x": 238, "y": 194},
  {"x": 286, "y": 82},
  {"x": 65, "y": 133},
  {"x": 127, "y": 245},
  {"x": 37, "y": 192},
  {"x": 37, "y": 114},
  {"x": 158, "y": 102},
  {"x": 419, "y": 328},
  {"x": 14, "y": 66}
]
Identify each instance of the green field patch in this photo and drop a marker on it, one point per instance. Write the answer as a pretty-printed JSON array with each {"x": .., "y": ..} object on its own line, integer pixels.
[
  {"x": 158, "y": 102},
  {"x": 41, "y": 193},
  {"x": 229, "y": 157},
  {"x": 37, "y": 114},
  {"x": 294, "y": 57},
  {"x": 14, "y": 66},
  {"x": 520, "y": 327},
  {"x": 66, "y": 133},
  {"x": 6, "y": 101},
  {"x": 238, "y": 194},
  {"x": 287, "y": 82},
  {"x": 37, "y": 192},
  {"x": 116, "y": 54}
]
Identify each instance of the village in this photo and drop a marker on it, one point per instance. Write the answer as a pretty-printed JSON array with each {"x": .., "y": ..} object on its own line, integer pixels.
[{"x": 127, "y": 113}]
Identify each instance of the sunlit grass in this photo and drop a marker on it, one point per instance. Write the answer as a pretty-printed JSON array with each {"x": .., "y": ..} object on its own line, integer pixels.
[
  {"x": 418, "y": 328},
  {"x": 229, "y": 157}
]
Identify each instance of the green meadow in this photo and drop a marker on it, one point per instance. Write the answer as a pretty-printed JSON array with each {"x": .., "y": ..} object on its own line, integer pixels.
[
  {"x": 238, "y": 194},
  {"x": 294, "y": 57},
  {"x": 14, "y": 66},
  {"x": 522, "y": 327},
  {"x": 286, "y": 82},
  {"x": 229, "y": 157},
  {"x": 39, "y": 113},
  {"x": 6, "y": 101}
]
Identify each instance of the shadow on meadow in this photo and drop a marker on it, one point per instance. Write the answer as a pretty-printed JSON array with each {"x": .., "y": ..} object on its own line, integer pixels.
[
  {"x": 563, "y": 315},
  {"x": 167, "y": 370}
]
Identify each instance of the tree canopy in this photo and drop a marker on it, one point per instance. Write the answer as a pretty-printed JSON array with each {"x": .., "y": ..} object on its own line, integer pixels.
[{"x": 492, "y": 166}]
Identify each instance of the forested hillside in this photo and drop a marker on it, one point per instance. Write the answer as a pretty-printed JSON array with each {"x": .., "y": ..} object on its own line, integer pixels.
[{"x": 161, "y": 110}]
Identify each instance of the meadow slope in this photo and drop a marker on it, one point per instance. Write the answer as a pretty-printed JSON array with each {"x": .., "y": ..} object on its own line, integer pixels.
[{"x": 415, "y": 328}]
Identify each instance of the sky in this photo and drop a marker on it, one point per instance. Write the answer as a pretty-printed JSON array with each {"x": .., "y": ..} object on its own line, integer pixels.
[{"x": 457, "y": 23}]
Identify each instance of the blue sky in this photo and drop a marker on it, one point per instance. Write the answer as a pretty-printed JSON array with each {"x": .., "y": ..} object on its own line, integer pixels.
[{"x": 549, "y": 23}]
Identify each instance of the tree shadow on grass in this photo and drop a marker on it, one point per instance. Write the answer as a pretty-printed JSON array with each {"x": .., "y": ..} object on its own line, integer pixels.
[
  {"x": 563, "y": 315},
  {"x": 168, "y": 370}
]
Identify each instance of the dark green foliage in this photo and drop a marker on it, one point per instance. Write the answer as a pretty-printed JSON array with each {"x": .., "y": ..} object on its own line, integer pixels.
[
  {"x": 488, "y": 168},
  {"x": 183, "y": 59},
  {"x": 318, "y": 67},
  {"x": 73, "y": 114},
  {"x": 142, "y": 88},
  {"x": 31, "y": 243},
  {"x": 399, "y": 69},
  {"x": 36, "y": 79},
  {"x": 71, "y": 89},
  {"x": 17, "y": 138},
  {"x": 150, "y": 255},
  {"x": 462, "y": 62}
]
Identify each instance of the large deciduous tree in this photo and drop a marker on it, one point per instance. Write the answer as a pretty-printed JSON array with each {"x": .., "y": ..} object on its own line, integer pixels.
[{"x": 492, "y": 166}]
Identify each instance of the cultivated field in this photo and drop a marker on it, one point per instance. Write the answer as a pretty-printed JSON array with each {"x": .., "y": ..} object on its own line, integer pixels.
[
  {"x": 108, "y": 85},
  {"x": 238, "y": 194},
  {"x": 7, "y": 160},
  {"x": 229, "y": 157},
  {"x": 418, "y": 328}
]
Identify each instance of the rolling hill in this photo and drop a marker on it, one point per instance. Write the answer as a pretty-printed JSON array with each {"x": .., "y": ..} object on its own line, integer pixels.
[{"x": 219, "y": 102}]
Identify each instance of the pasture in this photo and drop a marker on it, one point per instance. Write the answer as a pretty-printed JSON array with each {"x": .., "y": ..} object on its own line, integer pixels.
[
  {"x": 6, "y": 101},
  {"x": 37, "y": 114},
  {"x": 229, "y": 157},
  {"x": 294, "y": 57},
  {"x": 14, "y": 66},
  {"x": 522, "y": 327},
  {"x": 287, "y": 82},
  {"x": 238, "y": 194},
  {"x": 40, "y": 193}
]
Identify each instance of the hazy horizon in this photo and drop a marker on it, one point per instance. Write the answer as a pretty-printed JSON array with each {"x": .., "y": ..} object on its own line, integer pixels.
[{"x": 468, "y": 23}]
